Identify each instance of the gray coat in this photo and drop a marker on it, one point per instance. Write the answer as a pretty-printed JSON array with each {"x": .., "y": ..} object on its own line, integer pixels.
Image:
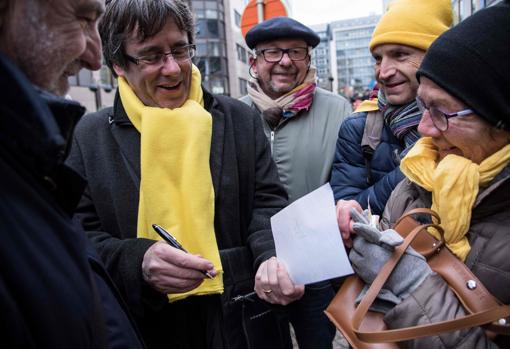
[
  {"x": 489, "y": 237},
  {"x": 303, "y": 146},
  {"x": 106, "y": 152}
]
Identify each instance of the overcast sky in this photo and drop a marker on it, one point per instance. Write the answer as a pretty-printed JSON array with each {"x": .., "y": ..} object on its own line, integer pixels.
[{"x": 324, "y": 11}]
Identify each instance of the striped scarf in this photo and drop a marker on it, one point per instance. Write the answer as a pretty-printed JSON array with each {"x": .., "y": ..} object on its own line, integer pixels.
[
  {"x": 286, "y": 106},
  {"x": 403, "y": 120}
]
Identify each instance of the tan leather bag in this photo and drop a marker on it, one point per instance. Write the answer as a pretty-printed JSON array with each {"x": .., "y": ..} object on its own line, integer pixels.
[{"x": 365, "y": 329}]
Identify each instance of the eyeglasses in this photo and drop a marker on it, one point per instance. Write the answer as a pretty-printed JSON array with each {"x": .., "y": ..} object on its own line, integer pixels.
[
  {"x": 440, "y": 118},
  {"x": 275, "y": 55},
  {"x": 179, "y": 54}
]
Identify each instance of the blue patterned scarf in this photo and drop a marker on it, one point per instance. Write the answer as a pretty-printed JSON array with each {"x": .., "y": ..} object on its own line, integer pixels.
[{"x": 403, "y": 120}]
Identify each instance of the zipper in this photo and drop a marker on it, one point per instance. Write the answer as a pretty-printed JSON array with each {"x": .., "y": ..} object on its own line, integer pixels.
[{"x": 272, "y": 141}]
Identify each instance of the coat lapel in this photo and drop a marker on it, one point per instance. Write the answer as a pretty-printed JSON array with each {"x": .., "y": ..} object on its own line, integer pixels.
[
  {"x": 217, "y": 140},
  {"x": 128, "y": 140}
]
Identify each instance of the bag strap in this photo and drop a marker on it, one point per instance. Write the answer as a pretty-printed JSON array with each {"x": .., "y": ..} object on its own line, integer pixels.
[
  {"x": 397, "y": 335},
  {"x": 373, "y": 129},
  {"x": 371, "y": 138},
  {"x": 420, "y": 211}
]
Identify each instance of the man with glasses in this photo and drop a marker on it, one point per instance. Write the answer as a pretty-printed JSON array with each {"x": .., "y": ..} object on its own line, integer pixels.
[
  {"x": 373, "y": 140},
  {"x": 198, "y": 165},
  {"x": 301, "y": 122}
]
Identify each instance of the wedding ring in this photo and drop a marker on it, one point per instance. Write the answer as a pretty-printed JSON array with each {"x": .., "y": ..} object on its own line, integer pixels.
[{"x": 267, "y": 291}]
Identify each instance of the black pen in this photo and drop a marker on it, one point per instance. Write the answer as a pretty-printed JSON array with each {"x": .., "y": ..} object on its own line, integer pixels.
[{"x": 174, "y": 243}]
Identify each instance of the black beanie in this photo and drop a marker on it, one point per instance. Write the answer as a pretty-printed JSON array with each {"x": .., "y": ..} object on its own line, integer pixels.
[{"x": 471, "y": 61}]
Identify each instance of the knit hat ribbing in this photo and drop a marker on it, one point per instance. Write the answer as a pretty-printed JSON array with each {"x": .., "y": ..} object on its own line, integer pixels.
[
  {"x": 470, "y": 61},
  {"x": 415, "y": 23}
]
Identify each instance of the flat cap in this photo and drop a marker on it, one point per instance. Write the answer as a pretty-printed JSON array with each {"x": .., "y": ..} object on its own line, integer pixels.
[{"x": 278, "y": 28}]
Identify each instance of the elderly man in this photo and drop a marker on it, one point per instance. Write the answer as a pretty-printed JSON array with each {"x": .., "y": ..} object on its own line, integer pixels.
[
  {"x": 301, "y": 121},
  {"x": 198, "y": 165},
  {"x": 53, "y": 294},
  {"x": 373, "y": 140}
]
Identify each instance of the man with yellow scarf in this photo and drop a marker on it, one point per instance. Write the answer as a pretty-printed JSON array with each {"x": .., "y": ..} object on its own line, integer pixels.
[
  {"x": 172, "y": 154},
  {"x": 460, "y": 169}
]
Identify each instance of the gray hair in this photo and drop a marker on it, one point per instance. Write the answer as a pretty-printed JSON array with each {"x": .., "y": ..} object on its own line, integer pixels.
[{"x": 147, "y": 17}]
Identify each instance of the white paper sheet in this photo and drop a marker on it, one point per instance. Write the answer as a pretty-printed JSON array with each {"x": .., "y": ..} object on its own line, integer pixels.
[{"x": 308, "y": 240}]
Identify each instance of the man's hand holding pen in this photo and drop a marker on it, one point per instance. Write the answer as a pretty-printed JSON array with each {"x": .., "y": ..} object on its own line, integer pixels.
[{"x": 170, "y": 270}]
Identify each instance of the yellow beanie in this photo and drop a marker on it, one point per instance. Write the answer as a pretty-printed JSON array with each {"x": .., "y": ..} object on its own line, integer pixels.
[{"x": 415, "y": 23}]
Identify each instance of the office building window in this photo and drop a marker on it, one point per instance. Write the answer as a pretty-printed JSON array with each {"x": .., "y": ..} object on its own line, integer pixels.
[
  {"x": 243, "y": 87},
  {"x": 241, "y": 53},
  {"x": 237, "y": 18},
  {"x": 211, "y": 56}
]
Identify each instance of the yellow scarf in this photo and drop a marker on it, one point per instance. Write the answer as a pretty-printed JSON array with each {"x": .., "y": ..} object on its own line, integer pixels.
[
  {"x": 368, "y": 105},
  {"x": 454, "y": 183},
  {"x": 176, "y": 189}
]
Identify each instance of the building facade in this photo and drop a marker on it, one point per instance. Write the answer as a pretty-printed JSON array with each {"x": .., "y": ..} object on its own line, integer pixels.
[
  {"x": 211, "y": 42},
  {"x": 465, "y": 8},
  {"x": 321, "y": 57},
  {"x": 238, "y": 54},
  {"x": 354, "y": 70}
]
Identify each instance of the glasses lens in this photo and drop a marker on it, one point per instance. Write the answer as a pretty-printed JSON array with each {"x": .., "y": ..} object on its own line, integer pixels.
[
  {"x": 183, "y": 53},
  {"x": 298, "y": 54},
  {"x": 421, "y": 106},
  {"x": 151, "y": 59},
  {"x": 439, "y": 119},
  {"x": 272, "y": 55}
]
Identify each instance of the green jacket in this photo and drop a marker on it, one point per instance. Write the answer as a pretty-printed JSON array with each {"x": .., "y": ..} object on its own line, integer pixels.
[{"x": 303, "y": 147}]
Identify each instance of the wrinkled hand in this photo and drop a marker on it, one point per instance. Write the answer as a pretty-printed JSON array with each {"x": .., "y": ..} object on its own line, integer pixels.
[
  {"x": 169, "y": 270},
  {"x": 343, "y": 216},
  {"x": 273, "y": 284},
  {"x": 372, "y": 249}
]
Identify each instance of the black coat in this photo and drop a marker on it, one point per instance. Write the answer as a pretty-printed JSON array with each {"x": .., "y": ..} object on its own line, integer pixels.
[
  {"x": 106, "y": 151},
  {"x": 54, "y": 292}
]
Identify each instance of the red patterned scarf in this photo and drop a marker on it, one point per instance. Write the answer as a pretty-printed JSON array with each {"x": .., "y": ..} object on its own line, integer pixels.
[{"x": 288, "y": 105}]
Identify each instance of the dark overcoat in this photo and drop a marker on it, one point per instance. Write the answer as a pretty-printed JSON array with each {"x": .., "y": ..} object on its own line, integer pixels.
[
  {"x": 54, "y": 291},
  {"x": 106, "y": 151}
]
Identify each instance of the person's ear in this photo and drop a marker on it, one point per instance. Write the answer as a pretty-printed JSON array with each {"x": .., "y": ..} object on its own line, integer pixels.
[
  {"x": 119, "y": 70},
  {"x": 253, "y": 67}
]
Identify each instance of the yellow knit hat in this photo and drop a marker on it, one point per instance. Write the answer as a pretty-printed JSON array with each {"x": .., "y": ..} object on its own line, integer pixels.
[{"x": 415, "y": 23}]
